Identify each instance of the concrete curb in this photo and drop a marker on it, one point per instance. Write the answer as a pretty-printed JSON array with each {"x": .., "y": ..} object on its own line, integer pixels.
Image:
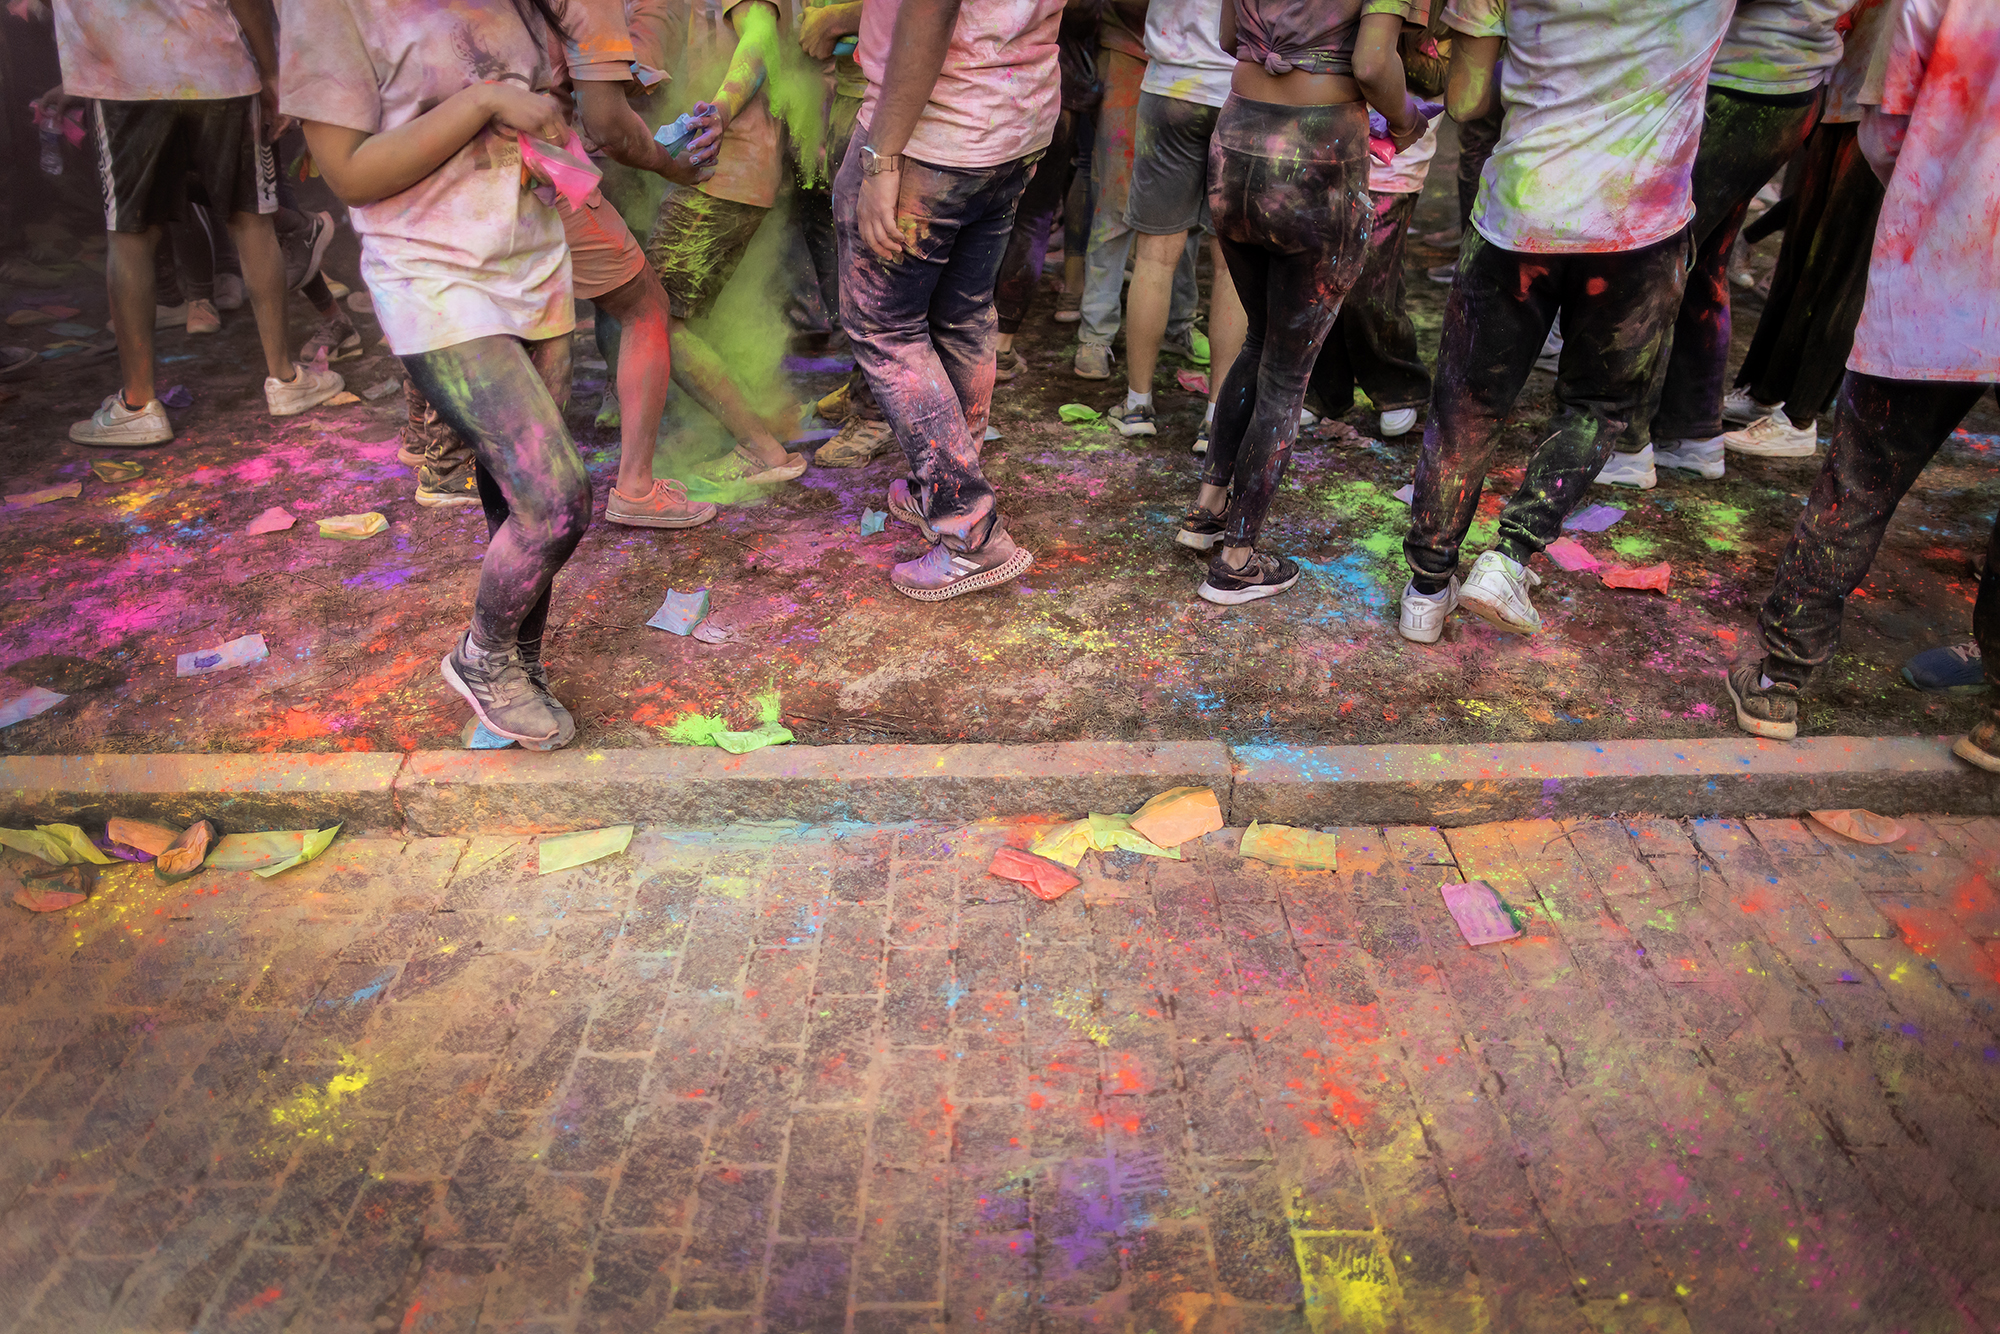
[{"x": 514, "y": 792}]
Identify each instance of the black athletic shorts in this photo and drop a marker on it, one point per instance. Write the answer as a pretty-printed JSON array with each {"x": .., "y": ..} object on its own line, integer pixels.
[{"x": 150, "y": 150}]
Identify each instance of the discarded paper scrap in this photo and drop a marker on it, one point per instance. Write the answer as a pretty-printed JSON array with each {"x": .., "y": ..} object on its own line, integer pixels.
[
  {"x": 237, "y": 652},
  {"x": 66, "y": 491},
  {"x": 1861, "y": 826},
  {"x": 273, "y": 520},
  {"x": 680, "y": 612},
  {"x": 25, "y": 706}
]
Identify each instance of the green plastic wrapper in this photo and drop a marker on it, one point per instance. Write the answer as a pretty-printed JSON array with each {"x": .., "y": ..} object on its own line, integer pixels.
[
  {"x": 1285, "y": 845},
  {"x": 269, "y": 853},
  {"x": 60, "y": 844},
  {"x": 1078, "y": 413},
  {"x": 1066, "y": 843},
  {"x": 559, "y": 852}
]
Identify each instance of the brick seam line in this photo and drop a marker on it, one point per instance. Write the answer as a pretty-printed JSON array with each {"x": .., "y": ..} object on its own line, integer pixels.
[{"x": 438, "y": 793}]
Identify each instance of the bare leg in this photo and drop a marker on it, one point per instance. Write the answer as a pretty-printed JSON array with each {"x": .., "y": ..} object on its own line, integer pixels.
[
  {"x": 700, "y": 372},
  {"x": 1227, "y": 324},
  {"x": 264, "y": 276},
  {"x": 644, "y": 364},
  {"x": 129, "y": 276},
  {"x": 1153, "y": 262}
]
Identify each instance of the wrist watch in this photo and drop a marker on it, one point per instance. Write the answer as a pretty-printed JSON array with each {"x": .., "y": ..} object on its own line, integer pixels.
[{"x": 875, "y": 164}]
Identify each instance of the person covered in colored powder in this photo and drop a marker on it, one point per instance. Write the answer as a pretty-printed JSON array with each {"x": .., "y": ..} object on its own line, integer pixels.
[
  {"x": 183, "y": 92},
  {"x": 1927, "y": 348},
  {"x": 1765, "y": 92},
  {"x": 413, "y": 117},
  {"x": 1583, "y": 212},
  {"x": 1288, "y": 191},
  {"x": 703, "y": 230},
  {"x": 962, "y": 97}
]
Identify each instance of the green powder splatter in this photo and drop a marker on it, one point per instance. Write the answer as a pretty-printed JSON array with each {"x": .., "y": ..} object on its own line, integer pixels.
[{"x": 1633, "y": 546}]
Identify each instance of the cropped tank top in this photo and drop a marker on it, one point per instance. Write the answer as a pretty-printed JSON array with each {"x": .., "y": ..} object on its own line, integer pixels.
[{"x": 1315, "y": 36}]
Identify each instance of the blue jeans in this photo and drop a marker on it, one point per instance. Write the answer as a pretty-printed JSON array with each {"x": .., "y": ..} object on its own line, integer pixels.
[{"x": 924, "y": 328}]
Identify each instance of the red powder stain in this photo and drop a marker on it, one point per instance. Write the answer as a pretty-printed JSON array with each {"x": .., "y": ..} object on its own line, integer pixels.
[
  {"x": 1596, "y": 287},
  {"x": 410, "y": 1316},
  {"x": 261, "y": 1300},
  {"x": 1726, "y": 636}
]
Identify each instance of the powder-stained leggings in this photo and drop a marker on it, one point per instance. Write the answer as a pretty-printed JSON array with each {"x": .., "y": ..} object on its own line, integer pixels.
[
  {"x": 1288, "y": 191},
  {"x": 1884, "y": 432},
  {"x": 1745, "y": 139},
  {"x": 1373, "y": 343},
  {"x": 505, "y": 397},
  {"x": 1616, "y": 308}
]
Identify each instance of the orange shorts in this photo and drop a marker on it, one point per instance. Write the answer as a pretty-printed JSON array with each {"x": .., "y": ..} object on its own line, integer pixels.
[{"x": 603, "y": 253}]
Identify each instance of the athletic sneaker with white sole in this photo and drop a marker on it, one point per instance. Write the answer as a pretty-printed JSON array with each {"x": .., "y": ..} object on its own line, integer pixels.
[
  {"x": 942, "y": 573},
  {"x": 1635, "y": 470},
  {"x": 1262, "y": 576},
  {"x": 1774, "y": 437},
  {"x": 1981, "y": 746},
  {"x": 538, "y": 676},
  {"x": 1740, "y": 408},
  {"x": 1762, "y": 710},
  {"x": 903, "y": 507},
  {"x": 1093, "y": 362},
  {"x": 1399, "y": 422},
  {"x": 115, "y": 426},
  {"x": 1703, "y": 457},
  {"x": 1422, "y": 618},
  {"x": 1497, "y": 592},
  {"x": 500, "y": 691},
  {"x": 1201, "y": 436},
  {"x": 1138, "y": 419},
  {"x": 306, "y": 389},
  {"x": 1200, "y": 529}
]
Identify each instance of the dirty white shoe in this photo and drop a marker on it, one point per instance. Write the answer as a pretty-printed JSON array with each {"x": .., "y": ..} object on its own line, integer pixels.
[
  {"x": 116, "y": 426},
  {"x": 1630, "y": 470},
  {"x": 1739, "y": 408},
  {"x": 1497, "y": 592},
  {"x": 1696, "y": 456},
  {"x": 307, "y": 388},
  {"x": 1774, "y": 437},
  {"x": 1398, "y": 422},
  {"x": 1423, "y": 615},
  {"x": 1092, "y": 362}
]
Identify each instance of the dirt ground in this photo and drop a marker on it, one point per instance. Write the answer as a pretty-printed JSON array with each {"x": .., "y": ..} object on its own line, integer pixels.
[{"x": 1104, "y": 638}]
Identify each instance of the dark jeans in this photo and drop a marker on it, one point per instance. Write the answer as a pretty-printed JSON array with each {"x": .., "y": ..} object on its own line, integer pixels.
[
  {"x": 1021, "y": 266},
  {"x": 1616, "y": 308},
  {"x": 505, "y": 397},
  {"x": 1744, "y": 141},
  {"x": 1884, "y": 432},
  {"x": 1476, "y": 139},
  {"x": 1288, "y": 194},
  {"x": 1799, "y": 353},
  {"x": 923, "y": 325},
  {"x": 1373, "y": 343}
]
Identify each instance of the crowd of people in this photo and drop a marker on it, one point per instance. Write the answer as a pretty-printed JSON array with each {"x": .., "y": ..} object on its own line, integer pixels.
[{"x": 1610, "y": 154}]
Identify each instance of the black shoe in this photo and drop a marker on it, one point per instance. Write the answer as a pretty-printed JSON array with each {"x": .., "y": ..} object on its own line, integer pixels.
[
  {"x": 303, "y": 251},
  {"x": 1199, "y": 529},
  {"x": 1262, "y": 576}
]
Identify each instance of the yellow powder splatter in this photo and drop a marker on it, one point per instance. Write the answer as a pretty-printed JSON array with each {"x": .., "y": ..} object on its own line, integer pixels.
[{"x": 314, "y": 1113}]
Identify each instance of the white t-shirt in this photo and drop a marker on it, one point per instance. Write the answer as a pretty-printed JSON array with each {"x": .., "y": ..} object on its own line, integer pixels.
[
  {"x": 1868, "y": 25},
  {"x": 1779, "y": 46},
  {"x": 999, "y": 93},
  {"x": 1604, "y": 110},
  {"x": 1409, "y": 169},
  {"x": 1184, "y": 57},
  {"x": 1933, "y": 310},
  {"x": 467, "y": 252},
  {"x": 153, "y": 50}
]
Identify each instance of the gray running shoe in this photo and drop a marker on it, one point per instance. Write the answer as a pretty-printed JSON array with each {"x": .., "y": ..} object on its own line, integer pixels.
[{"x": 501, "y": 692}]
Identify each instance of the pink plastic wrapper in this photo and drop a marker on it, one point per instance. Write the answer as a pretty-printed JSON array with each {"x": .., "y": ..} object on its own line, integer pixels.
[
  {"x": 1482, "y": 919},
  {"x": 1653, "y": 576},
  {"x": 1571, "y": 556},
  {"x": 568, "y": 169},
  {"x": 1044, "y": 879},
  {"x": 1192, "y": 381}
]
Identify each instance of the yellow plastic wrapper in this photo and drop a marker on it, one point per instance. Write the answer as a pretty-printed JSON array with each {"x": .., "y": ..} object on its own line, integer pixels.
[
  {"x": 1066, "y": 843},
  {"x": 1285, "y": 845},
  {"x": 1177, "y": 815},
  {"x": 269, "y": 853},
  {"x": 563, "y": 851},
  {"x": 353, "y": 527},
  {"x": 60, "y": 844}
]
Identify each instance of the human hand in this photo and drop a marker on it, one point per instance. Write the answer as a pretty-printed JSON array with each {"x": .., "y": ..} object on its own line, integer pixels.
[
  {"x": 876, "y": 212},
  {"x": 819, "y": 32},
  {"x": 513, "y": 107},
  {"x": 1411, "y": 127},
  {"x": 275, "y": 123},
  {"x": 55, "y": 102}
]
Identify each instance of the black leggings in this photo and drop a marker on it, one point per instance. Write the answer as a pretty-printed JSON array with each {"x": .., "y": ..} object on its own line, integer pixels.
[
  {"x": 1288, "y": 192},
  {"x": 505, "y": 397}
]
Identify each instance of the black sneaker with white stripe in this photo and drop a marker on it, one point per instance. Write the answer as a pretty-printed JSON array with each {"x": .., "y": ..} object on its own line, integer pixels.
[{"x": 1262, "y": 576}]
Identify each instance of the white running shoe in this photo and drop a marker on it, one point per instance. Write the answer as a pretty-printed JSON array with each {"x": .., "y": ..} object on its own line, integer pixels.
[
  {"x": 1774, "y": 437},
  {"x": 1740, "y": 409},
  {"x": 1399, "y": 422},
  {"x": 1696, "y": 456},
  {"x": 307, "y": 388},
  {"x": 1630, "y": 470},
  {"x": 1423, "y": 617},
  {"x": 1307, "y": 418},
  {"x": 116, "y": 426},
  {"x": 1497, "y": 592}
]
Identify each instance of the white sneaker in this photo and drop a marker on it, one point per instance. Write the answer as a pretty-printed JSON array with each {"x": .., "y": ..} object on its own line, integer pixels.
[
  {"x": 1774, "y": 437},
  {"x": 1740, "y": 409},
  {"x": 1497, "y": 592},
  {"x": 1423, "y": 616},
  {"x": 308, "y": 388},
  {"x": 1630, "y": 470},
  {"x": 1307, "y": 418},
  {"x": 1696, "y": 456},
  {"x": 1399, "y": 422},
  {"x": 116, "y": 426}
]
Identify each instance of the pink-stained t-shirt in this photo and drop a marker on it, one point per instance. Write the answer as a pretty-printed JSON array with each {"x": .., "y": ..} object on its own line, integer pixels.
[
  {"x": 1000, "y": 90},
  {"x": 1775, "y": 47},
  {"x": 469, "y": 251},
  {"x": 1604, "y": 103},
  {"x": 1933, "y": 309},
  {"x": 153, "y": 50}
]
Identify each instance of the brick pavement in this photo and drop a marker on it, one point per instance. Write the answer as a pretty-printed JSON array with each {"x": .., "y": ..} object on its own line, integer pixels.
[{"x": 1737, "y": 1076}]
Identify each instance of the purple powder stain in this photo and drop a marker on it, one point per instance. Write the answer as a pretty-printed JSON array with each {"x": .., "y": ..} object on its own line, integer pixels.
[{"x": 380, "y": 579}]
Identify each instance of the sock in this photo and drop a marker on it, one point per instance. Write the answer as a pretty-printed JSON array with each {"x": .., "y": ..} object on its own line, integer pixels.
[
  {"x": 1209, "y": 420},
  {"x": 1134, "y": 399},
  {"x": 128, "y": 404},
  {"x": 1430, "y": 585}
]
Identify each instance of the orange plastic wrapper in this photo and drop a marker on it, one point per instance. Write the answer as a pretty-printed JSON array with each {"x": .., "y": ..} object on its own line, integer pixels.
[
  {"x": 1653, "y": 576},
  {"x": 1177, "y": 815},
  {"x": 149, "y": 838},
  {"x": 1044, "y": 879},
  {"x": 1861, "y": 826}
]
